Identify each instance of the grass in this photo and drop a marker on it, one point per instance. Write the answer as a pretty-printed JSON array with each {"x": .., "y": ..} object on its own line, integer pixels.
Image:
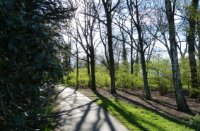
[{"x": 140, "y": 119}]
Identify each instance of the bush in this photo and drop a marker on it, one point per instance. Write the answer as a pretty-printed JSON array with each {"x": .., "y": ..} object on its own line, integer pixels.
[
  {"x": 83, "y": 78},
  {"x": 102, "y": 77},
  {"x": 163, "y": 86},
  {"x": 29, "y": 62},
  {"x": 124, "y": 79},
  {"x": 138, "y": 82},
  {"x": 160, "y": 75}
]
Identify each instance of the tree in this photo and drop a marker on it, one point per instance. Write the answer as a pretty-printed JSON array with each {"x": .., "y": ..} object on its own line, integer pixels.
[
  {"x": 198, "y": 47},
  {"x": 29, "y": 60},
  {"x": 192, "y": 12},
  {"x": 86, "y": 34},
  {"x": 124, "y": 30},
  {"x": 133, "y": 7},
  {"x": 77, "y": 67},
  {"x": 107, "y": 4},
  {"x": 180, "y": 99}
]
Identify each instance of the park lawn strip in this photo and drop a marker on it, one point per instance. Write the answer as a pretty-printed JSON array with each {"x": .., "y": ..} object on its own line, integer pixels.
[{"x": 137, "y": 118}]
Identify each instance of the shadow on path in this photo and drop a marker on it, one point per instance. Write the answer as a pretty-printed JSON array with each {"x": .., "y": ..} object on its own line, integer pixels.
[
  {"x": 131, "y": 118},
  {"x": 126, "y": 115},
  {"x": 78, "y": 113}
]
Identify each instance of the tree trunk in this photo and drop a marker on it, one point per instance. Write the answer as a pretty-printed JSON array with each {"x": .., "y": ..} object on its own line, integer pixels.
[
  {"x": 69, "y": 57},
  {"x": 111, "y": 56},
  {"x": 88, "y": 68},
  {"x": 198, "y": 31},
  {"x": 93, "y": 82},
  {"x": 108, "y": 10},
  {"x": 180, "y": 99},
  {"x": 77, "y": 69},
  {"x": 92, "y": 57},
  {"x": 131, "y": 37},
  {"x": 144, "y": 72},
  {"x": 143, "y": 62},
  {"x": 88, "y": 64},
  {"x": 124, "y": 53},
  {"x": 191, "y": 45},
  {"x": 131, "y": 59},
  {"x": 137, "y": 64}
]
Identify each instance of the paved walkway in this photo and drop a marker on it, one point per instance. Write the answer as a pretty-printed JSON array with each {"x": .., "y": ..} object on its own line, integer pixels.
[{"x": 76, "y": 112}]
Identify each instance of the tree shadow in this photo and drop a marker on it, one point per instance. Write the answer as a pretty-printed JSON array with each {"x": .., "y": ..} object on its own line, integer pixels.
[
  {"x": 164, "y": 103},
  {"x": 102, "y": 117},
  {"x": 158, "y": 111},
  {"x": 129, "y": 117}
]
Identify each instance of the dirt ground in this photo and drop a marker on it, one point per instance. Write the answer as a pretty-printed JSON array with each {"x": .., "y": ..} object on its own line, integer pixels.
[{"x": 163, "y": 105}]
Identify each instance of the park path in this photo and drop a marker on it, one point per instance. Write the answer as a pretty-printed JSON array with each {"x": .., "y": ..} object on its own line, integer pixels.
[{"x": 76, "y": 112}]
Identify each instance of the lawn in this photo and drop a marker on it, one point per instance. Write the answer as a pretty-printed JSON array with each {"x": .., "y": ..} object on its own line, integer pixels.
[{"x": 138, "y": 118}]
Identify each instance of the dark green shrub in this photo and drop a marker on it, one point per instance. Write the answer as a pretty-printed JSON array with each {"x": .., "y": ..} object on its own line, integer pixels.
[{"x": 29, "y": 62}]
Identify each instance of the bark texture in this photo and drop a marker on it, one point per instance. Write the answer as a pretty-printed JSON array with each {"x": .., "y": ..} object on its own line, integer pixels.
[
  {"x": 108, "y": 11},
  {"x": 191, "y": 43},
  {"x": 180, "y": 99}
]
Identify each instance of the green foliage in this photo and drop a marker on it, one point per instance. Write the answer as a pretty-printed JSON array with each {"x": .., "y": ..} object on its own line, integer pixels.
[
  {"x": 102, "y": 77},
  {"x": 185, "y": 71},
  {"x": 124, "y": 79},
  {"x": 83, "y": 78},
  {"x": 138, "y": 81},
  {"x": 160, "y": 74},
  {"x": 137, "y": 76},
  {"x": 50, "y": 113},
  {"x": 29, "y": 62}
]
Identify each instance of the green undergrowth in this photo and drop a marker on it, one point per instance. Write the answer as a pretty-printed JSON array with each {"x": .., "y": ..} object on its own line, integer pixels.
[
  {"x": 102, "y": 78},
  {"x": 159, "y": 78},
  {"x": 124, "y": 79},
  {"x": 51, "y": 120},
  {"x": 140, "y": 119},
  {"x": 50, "y": 113}
]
